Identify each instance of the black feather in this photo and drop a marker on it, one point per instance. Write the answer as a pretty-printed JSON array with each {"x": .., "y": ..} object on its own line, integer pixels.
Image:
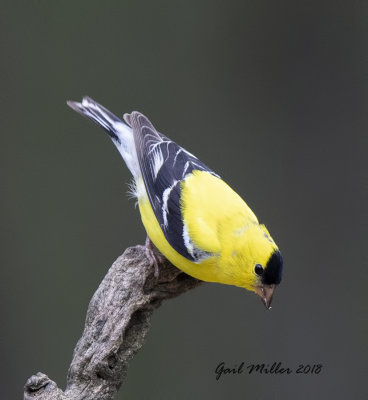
[
  {"x": 273, "y": 271},
  {"x": 164, "y": 165}
]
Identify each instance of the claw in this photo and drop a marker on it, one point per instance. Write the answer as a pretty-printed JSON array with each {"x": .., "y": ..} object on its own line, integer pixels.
[{"x": 153, "y": 258}]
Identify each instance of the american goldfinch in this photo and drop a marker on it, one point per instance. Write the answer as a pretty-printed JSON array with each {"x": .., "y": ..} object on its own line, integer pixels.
[{"x": 190, "y": 214}]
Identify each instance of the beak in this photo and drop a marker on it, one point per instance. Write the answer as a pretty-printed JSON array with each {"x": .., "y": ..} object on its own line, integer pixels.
[{"x": 265, "y": 292}]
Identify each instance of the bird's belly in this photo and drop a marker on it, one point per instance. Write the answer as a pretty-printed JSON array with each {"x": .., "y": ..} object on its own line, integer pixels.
[{"x": 205, "y": 270}]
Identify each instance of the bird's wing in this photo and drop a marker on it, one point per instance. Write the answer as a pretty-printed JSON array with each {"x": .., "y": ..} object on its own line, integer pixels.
[{"x": 164, "y": 165}]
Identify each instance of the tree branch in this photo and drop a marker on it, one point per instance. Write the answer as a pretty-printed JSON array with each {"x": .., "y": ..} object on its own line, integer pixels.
[{"x": 117, "y": 321}]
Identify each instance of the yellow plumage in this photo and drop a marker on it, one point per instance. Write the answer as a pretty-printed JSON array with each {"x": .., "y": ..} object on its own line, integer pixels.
[
  {"x": 219, "y": 222},
  {"x": 190, "y": 214}
]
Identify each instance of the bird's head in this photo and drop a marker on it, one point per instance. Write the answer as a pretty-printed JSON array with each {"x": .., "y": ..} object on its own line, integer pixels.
[{"x": 257, "y": 260}]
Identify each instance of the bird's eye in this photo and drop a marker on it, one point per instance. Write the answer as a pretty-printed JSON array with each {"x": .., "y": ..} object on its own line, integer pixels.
[{"x": 258, "y": 269}]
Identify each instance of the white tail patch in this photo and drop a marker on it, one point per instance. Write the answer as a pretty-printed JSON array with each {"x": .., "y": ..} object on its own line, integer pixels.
[{"x": 126, "y": 147}]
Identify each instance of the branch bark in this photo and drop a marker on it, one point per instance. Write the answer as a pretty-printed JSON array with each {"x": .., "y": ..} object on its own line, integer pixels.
[{"x": 117, "y": 322}]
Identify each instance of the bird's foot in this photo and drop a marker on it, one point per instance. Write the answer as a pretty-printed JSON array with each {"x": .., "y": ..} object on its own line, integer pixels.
[{"x": 153, "y": 257}]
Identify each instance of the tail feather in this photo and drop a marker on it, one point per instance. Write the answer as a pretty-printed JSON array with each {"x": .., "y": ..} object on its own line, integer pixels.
[
  {"x": 98, "y": 114},
  {"x": 120, "y": 133}
]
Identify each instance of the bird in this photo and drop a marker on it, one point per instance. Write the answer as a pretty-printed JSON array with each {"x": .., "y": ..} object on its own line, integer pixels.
[{"x": 195, "y": 219}]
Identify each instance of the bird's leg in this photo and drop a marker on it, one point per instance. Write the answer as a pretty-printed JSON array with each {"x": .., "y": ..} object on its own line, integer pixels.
[{"x": 153, "y": 257}]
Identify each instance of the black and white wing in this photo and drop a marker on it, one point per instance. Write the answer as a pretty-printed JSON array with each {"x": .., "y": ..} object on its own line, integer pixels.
[{"x": 164, "y": 164}]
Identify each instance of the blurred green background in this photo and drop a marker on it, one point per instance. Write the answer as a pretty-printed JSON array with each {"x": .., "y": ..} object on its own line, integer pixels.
[{"x": 273, "y": 96}]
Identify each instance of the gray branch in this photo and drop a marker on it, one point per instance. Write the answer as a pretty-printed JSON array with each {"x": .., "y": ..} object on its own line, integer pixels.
[{"x": 117, "y": 322}]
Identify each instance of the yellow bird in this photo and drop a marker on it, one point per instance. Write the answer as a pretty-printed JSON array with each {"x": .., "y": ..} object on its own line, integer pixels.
[{"x": 190, "y": 214}]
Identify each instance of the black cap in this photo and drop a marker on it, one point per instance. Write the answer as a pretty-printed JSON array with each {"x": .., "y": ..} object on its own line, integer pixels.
[{"x": 273, "y": 271}]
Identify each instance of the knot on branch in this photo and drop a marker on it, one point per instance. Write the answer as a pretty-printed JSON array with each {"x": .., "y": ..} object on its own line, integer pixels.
[{"x": 40, "y": 386}]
